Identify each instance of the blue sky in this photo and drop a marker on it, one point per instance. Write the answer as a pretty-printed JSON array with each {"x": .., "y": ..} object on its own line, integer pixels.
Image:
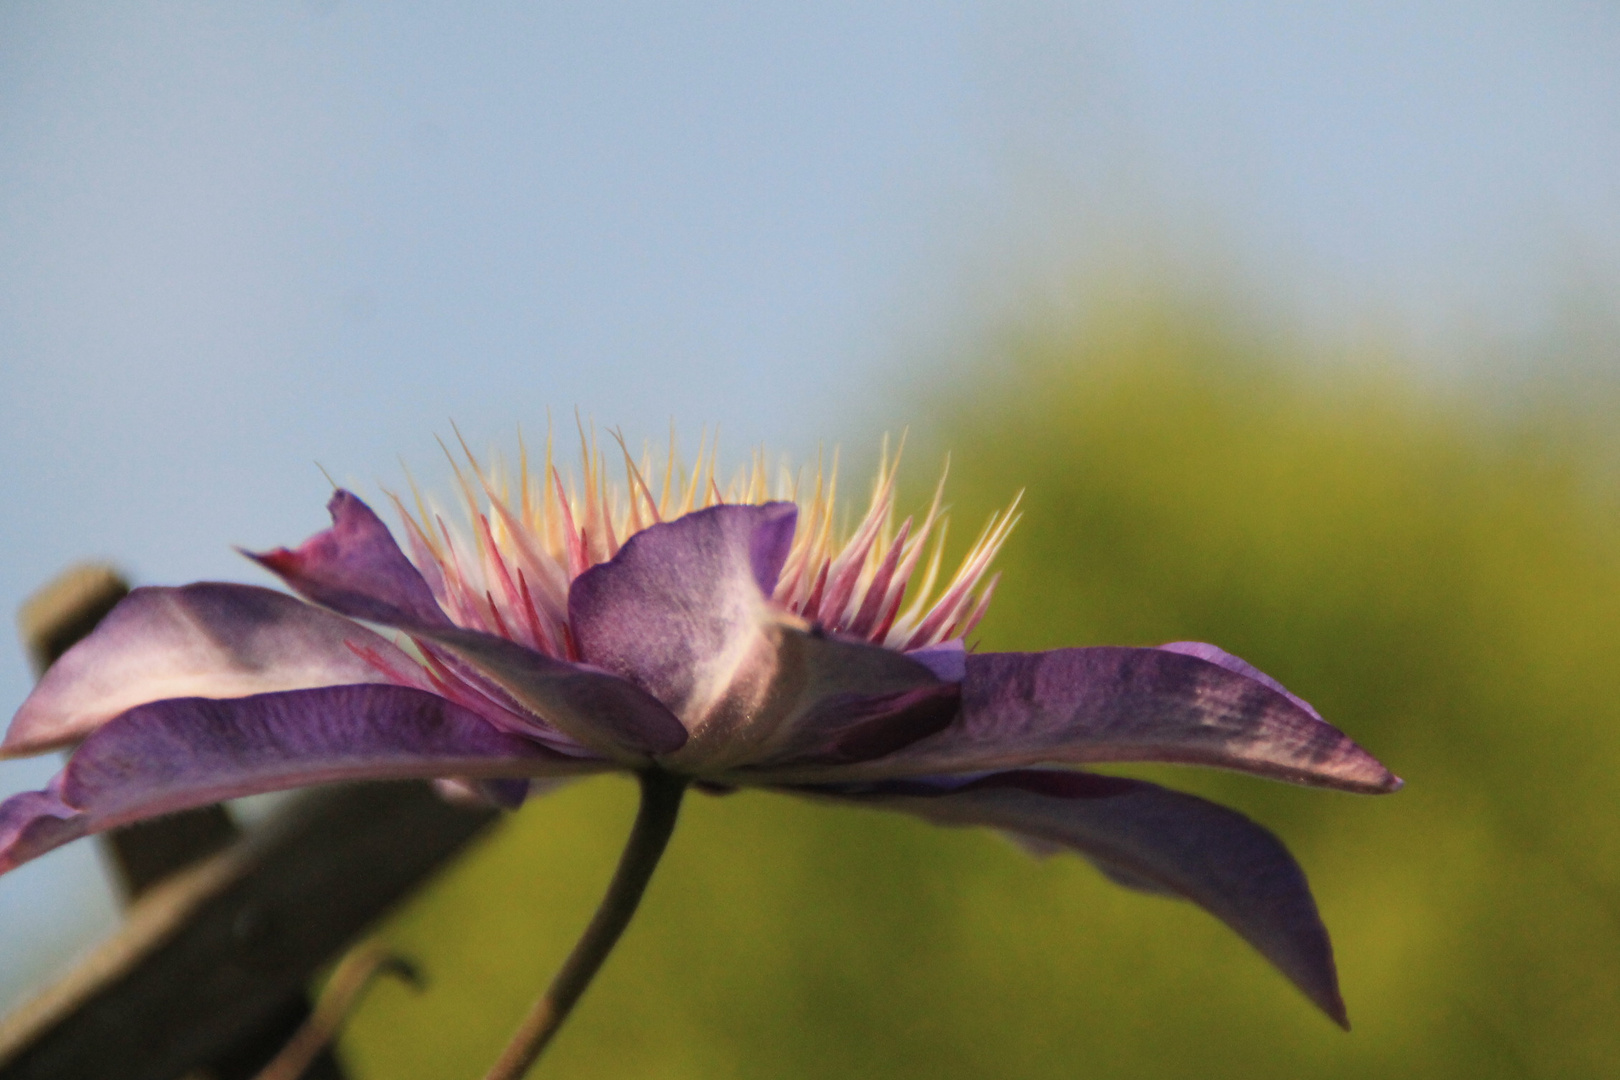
[{"x": 237, "y": 240}]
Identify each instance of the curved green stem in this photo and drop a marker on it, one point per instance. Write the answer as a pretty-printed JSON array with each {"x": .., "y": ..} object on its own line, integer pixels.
[{"x": 655, "y": 821}]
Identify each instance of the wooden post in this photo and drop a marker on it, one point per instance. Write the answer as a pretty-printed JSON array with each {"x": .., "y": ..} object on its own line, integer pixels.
[
  {"x": 209, "y": 974},
  {"x": 209, "y": 958}
]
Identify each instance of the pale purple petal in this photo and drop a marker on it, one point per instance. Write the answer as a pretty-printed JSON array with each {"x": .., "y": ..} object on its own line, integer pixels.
[
  {"x": 1124, "y": 704},
  {"x": 357, "y": 569},
  {"x": 204, "y": 640},
  {"x": 684, "y": 611},
  {"x": 184, "y": 752},
  {"x": 685, "y": 604},
  {"x": 1156, "y": 839}
]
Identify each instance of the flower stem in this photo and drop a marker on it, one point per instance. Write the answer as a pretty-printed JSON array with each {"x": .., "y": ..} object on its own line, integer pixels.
[{"x": 655, "y": 821}]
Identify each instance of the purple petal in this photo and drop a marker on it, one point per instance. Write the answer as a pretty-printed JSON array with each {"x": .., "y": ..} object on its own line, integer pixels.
[
  {"x": 357, "y": 569},
  {"x": 1156, "y": 839},
  {"x": 33, "y": 823},
  {"x": 684, "y": 612},
  {"x": 203, "y": 640},
  {"x": 947, "y": 660},
  {"x": 1123, "y": 704},
  {"x": 170, "y": 755},
  {"x": 1217, "y": 655}
]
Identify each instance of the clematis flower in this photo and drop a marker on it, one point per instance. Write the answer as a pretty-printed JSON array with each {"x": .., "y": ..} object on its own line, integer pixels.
[{"x": 690, "y": 637}]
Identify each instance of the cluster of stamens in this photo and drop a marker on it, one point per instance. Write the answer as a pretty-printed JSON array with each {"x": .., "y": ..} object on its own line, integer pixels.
[{"x": 533, "y": 532}]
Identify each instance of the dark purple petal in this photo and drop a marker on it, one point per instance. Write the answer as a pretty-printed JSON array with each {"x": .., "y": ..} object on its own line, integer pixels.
[
  {"x": 357, "y": 569},
  {"x": 848, "y": 727},
  {"x": 684, "y": 611},
  {"x": 170, "y": 755},
  {"x": 1155, "y": 839},
  {"x": 203, "y": 640},
  {"x": 832, "y": 700},
  {"x": 1123, "y": 704}
]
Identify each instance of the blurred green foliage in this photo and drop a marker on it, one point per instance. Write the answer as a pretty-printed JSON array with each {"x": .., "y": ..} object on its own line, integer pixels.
[{"x": 1440, "y": 576}]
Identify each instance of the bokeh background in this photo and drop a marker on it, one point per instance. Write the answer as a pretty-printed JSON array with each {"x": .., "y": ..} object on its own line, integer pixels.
[{"x": 1297, "y": 327}]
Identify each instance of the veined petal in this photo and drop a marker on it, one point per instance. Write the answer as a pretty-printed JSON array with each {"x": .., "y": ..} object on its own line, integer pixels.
[
  {"x": 357, "y": 569},
  {"x": 684, "y": 611},
  {"x": 183, "y": 752},
  {"x": 204, "y": 640},
  {"x": 1155, "y": 839},
  {"x": 1129, "y": 704},
  {"x": 1217, "y": 655}
]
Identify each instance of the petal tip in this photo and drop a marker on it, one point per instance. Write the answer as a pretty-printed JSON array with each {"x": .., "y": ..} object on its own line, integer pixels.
[
  {"x": 1371, "y": 776},
  {"x": 34, "y": 822},
  {"x": 279, "y": 561},
  {"x": 1321, "y": 988},
  {"x": 1331, "y": 1002},
  {"x": 11, "y": 749}
]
